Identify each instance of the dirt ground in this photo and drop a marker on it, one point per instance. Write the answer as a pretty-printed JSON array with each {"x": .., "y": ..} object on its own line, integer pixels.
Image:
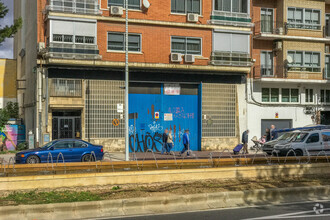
[{"x": 181, "y": 188}]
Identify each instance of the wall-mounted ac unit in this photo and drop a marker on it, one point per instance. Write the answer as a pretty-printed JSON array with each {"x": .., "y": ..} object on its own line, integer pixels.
[
  {"x": 327, "y": 48},
  {"x": 278, "y": 45},
  {"x": 192, "y": 17},
  {"x": 40, "y": 46},
  {"x": 279, "y": 31},
  {"x": 116, "y": 10},
  {"x": 176, "y": 57},
  {"x": 189, "y": 58}
]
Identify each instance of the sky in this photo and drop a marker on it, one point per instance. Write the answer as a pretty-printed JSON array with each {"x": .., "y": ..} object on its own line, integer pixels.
[{"x": 6, "y": 49}]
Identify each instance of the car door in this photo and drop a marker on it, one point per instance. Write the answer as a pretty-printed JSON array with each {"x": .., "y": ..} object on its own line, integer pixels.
[
  {"x": 64, "y": 147},
  {"x": 313, "y": 143},
  {"x": 79, "y": 148},
  {"x": 326, "y": 141}
]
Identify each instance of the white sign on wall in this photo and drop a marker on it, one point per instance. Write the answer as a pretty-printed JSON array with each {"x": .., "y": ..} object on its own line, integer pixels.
[
  {"x": 120, "y": 108},
  {"x": 168, "y": 117},
  {"x": 172, "y": 89}
]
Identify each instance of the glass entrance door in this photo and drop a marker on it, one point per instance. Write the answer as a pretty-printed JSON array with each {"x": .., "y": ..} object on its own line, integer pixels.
[{"x": 66, "y": 127}]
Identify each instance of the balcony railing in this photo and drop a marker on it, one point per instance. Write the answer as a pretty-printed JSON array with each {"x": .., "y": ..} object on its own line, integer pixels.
[
  {"x": 73, "y": 51},
  {"x": 65, "y": 88},
  {"x": 74, "y": 6},
  {"x": 230, "y": 59},
  {"x": 231, "y": 18},
  {"x": 270, "y": 27}
]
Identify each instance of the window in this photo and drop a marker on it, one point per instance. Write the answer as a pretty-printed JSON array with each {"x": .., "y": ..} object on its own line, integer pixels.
[
  {"x": 66, "y": 87},
  {"x": 186, "y": 45},
  {"x": 186, "y": 6},
  {"x": 266, "y": 63},
  {"x": 84, "y": 40},
  {"x": 313, "y": 138},
  {"x": 327, "y": 67},
  {"x": 116, "y": 42},
  {"x": 132, "y": 4},
  {"x": 305, "y": 61},
  {"x": 79, "y": 144},
  {"x": 231, "y": 42},
  {"x": 304, "y": 18},
  {"x": 238, "y": 6},
  {"x": 63, "y": 145},
  {"x": 270, "y": 95},
  {"x": 290, "y": 95},
  {"x": 62, "y": 38},
  {"x": 325, "y": 96},
  {"x": 267, "y": 17},
  {"x": 309, "y": 96},
  {"x": 326, "y": 136}
]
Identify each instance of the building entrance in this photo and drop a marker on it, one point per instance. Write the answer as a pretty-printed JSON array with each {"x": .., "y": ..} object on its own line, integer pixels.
[{"x": 66, "y": 124}]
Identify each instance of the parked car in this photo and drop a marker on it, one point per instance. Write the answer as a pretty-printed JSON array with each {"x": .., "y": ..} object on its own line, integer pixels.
[
  {"x": 285, "y": 138},
  {"x": 312, "y": 142},
  {"x": 73, "y": 150}
]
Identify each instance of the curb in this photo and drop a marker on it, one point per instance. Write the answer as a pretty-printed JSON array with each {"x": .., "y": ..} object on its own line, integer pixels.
[{"x": 165, "y": 204}]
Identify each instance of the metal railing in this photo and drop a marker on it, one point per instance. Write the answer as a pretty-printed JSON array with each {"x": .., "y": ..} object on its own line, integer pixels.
[
  {"x": 65, "y": 88},
  {"x": 74, "y": 6},
  {"x": 230, "y": 59},
  {"x": 270, "y": 27},
  {"x": 287, "y": 71},
  {"x": 73, "y": 51}
]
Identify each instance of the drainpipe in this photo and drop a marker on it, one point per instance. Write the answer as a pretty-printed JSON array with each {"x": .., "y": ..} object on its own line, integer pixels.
[{"x": 39, "y": 129}]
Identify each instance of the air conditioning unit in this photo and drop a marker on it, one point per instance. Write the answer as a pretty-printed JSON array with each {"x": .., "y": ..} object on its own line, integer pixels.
[
  {"x": 279, "y": 31},
  {"x": 192, "y": 17},
  {"x": 278, "y": 45},
  {"x": 41, "y": 46},
  {"x": 327, "y": 49},
  {"x": 189, "y": 58},
  {"x": 116, "y": 10},
  {"x": 176, "y": 57}
]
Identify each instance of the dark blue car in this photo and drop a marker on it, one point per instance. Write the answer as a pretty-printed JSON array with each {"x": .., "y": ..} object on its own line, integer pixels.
[{"x": 73, "y": 150}]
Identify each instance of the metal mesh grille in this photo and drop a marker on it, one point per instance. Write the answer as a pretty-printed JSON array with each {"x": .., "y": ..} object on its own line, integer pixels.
[
  {"x": 102, "y": 97},
  {"x": 219, "y": 110},
  {"x": 65, "y": 87}
]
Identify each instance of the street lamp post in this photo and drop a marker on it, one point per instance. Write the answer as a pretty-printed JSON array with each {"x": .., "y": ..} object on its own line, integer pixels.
[{"x": 126, "y": 85}]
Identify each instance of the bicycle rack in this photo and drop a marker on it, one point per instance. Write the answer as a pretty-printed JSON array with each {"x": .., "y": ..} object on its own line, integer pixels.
[{"x": 58, "y": 156}]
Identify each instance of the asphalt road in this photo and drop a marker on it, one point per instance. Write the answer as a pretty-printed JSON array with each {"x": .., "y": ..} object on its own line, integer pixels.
[{"x": 303, "y": 210}]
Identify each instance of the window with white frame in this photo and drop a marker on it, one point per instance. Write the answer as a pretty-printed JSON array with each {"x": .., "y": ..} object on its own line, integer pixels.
[
  {"x": 305, "y": 61},
  {"x": 116, "y": 42},
  {"x": 290, "y": 95},
  {"x": 231, "y": 42},
  {"x": 238, "y": 6},
  {"x": 186, "y": 6},
  {"x": 186, "y": 45},
  {"x": 309, "y": 95},
  {"x": 132, "y": 4},
  {"x": 266, "y": 63},
  {"x": 270, "y": 94},
  {"x": 304, "y": 18},
  {"x": 325, "y": 96}
]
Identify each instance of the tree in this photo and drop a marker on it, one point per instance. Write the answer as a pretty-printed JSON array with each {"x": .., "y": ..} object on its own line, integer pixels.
[
  {"x": 10, "y": 111},
  {"x": 8, "y": 31}
]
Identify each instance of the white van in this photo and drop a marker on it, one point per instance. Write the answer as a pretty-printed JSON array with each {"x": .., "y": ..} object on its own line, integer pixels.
[{"x": 312, "y": 141}]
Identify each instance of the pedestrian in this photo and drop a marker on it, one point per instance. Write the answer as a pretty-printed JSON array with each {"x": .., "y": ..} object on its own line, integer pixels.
[
  {"x": 245, "y": 140},
  {"x": 273, "y": 133},
  {"x": 267, "y": 134},
  {"x": 169, "y": 142},
  {"x": 186, "y": 142},
  {"x": 164, "y": 146}
]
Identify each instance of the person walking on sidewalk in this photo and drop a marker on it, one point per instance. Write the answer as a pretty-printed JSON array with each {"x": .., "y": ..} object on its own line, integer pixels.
[
  {"x": 169, "y": 141},
  {"x": 245, "y": 140},
  {"x": 186, "y": 142},
  {"x": 164, "y": 146}
]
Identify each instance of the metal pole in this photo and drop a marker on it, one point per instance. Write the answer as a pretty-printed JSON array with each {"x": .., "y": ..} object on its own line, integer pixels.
[{"x": 126, "y": 85}]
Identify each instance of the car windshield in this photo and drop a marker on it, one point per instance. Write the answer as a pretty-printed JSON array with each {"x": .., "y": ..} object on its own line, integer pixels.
[
  {"x": 48, "y": 145},
  {"x": 285, "y": 136},
  {"x": 300, "y": 137}
]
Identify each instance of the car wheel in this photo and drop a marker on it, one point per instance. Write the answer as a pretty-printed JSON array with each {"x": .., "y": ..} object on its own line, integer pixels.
[
  {"x": 299, "y": 153},
  {"x": 33, "y": 159},
  {"x": 87, "y": 158}
]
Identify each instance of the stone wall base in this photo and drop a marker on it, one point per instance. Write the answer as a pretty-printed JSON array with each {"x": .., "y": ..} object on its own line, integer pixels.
[
  {"x": 219, "y": 144},
  {"x": 111, "y": 144}
]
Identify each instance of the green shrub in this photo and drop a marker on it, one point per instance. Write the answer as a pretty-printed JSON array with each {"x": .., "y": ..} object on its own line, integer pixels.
[{"x": 22, "y": 146}]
